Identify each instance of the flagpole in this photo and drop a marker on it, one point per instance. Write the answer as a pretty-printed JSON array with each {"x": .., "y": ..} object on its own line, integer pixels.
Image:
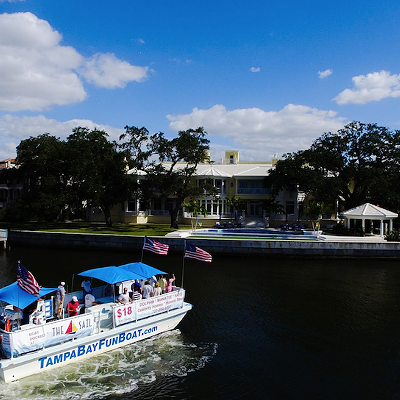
[
  {"x": 183, "y": 261},
  {"x": 18, "y": 288},
  {"x": 144, "y": 241}
]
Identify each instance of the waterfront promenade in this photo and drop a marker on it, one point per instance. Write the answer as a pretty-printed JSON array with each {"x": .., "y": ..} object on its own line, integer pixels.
[{"x": 327, "y": 246}]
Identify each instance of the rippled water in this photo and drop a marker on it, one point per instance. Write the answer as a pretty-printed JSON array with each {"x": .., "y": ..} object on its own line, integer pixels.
[{"x": 260, "y": 328}]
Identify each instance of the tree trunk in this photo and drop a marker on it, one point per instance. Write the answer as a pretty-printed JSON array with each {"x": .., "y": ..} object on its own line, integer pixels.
[
  {"x": 174, "y": 218},
  {"x": 107, "y": 216}
]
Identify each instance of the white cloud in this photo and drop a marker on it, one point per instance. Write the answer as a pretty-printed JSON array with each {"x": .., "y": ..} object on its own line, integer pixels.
[
  {"x": 375, "y": 86},
  {"x": 324, "y": 74},
  {"x": 255, "y": 69},
  {"x": 37, "y": 72},
  {"x": 10, "y": 1},
  {"x": 105, "y": 70},
  {"x": 14, "y": 129},
  {"x": 259, "y": 134}
]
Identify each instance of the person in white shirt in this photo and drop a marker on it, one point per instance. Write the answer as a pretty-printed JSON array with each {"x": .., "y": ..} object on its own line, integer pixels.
[
  {"x": 157, "y": 290},
  {"x": 90, "y": 300},
  {"x": 147, "y": 290},
  {"x": 124, "y": 297}
]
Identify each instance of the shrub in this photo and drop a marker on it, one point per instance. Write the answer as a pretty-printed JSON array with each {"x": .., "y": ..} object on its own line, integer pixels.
[{"x": 392, "y": 236}]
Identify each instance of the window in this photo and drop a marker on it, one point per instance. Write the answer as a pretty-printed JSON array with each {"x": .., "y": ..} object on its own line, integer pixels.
[
  {"x": 289, "y": 207},
  {"x": 131, "y": 205}
]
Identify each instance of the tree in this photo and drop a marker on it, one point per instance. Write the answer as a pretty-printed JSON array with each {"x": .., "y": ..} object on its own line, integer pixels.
[
  {"x": 272, "y": 206},
  {"x": 41, "y": 162},
  {"x": 169, "y": 165},
  {"x": 314, "y": 211},
  {"x": 195, "y": 208},
  {"x": 236, "y": 204},
  {"x": 97, "y": 170},
  {"x": 359, "y": 163}
]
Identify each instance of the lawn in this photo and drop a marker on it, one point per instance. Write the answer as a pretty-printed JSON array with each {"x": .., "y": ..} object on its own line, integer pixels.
[{"x": 99, "y": 228}]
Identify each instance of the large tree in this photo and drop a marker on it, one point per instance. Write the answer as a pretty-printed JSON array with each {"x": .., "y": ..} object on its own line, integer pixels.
[
  {"x": 41, "y": 163},
  {"x": 85, "y": 170},
  {"x": 97, "y": 170},
  {"x": 170, "y": 165},
  {"x": 360, "y": 163}
]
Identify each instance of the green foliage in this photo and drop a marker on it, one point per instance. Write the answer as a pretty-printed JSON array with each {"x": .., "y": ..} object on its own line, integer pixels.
[
  {"x": 360, "y": 163},
  {"x": 61, "y": 178},
  {"x": 41, "y": 163},
  {"x": 169, "y": 164},
  {"x": 392, "y": 236},
  {"x": 195, "y": 208},
  {"x": 97, "y": 171},
  {"x": 271, "y": 205}
]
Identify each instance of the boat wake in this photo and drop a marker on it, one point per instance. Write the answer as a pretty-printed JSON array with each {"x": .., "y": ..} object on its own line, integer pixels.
[{"x": 116, "y": 372}]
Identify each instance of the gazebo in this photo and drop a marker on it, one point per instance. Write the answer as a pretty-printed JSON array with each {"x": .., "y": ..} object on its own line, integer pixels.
[{"x": 368, "y": 214}]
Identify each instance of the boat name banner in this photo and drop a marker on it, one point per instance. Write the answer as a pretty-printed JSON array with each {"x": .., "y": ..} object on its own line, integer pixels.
[
  {"x": 39, "y": 336},
  {"x": 98, "y": 346},
  {"x": 147, "y": 307}
]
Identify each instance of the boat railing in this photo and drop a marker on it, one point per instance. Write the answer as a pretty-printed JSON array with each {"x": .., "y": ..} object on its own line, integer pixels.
[{"x": 97, "y": 318}]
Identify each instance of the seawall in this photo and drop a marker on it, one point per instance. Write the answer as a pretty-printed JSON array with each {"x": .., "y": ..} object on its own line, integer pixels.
[{"x": 342, "y": 248}]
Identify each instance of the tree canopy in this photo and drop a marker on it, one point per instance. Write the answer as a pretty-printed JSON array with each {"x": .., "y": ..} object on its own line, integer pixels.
[
  {"x": 360, "y": 163},
  {"x": 169, "y": 164},
  {"x": 67, "y": 176}
]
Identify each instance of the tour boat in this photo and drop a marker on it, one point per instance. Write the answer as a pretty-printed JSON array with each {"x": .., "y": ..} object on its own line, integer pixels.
[{"x": 44, "y": 342}]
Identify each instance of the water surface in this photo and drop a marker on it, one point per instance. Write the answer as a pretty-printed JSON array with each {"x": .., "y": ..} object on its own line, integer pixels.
[{"x": 260, "y": 328}]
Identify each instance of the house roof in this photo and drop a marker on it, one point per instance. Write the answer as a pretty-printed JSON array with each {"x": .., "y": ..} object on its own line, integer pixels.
[
  {"x": 206, "y": 170},
  {"x": 369, "y": 211},
  {"x": 240, "y": 170}
]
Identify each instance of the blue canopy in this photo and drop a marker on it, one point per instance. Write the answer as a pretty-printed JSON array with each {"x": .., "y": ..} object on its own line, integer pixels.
[
  {"x": 146, "y": 271},
  {"x": 111, "y": 274},
  {"x": 13, "y": 294}
]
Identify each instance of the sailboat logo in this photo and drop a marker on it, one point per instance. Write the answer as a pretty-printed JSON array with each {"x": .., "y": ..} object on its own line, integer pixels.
[{"x": 71, "y": 328}]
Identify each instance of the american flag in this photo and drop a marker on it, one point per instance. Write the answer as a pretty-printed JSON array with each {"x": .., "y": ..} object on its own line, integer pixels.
[
  {"x": 197, "y": 253},
  {"x": 155, "y": 247},
  {"x": 27, "y": 281}
]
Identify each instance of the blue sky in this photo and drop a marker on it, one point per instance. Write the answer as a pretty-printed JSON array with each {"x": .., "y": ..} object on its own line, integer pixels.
[{"x": 261, "y": 77}]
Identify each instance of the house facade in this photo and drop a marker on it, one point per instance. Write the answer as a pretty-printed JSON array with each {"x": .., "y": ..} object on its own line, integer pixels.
[
  {"x": 9, "y": 191},
  {"x": 232, "y": 178}
]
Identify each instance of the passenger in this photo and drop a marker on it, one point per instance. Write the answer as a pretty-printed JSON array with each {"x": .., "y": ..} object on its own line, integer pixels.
[
  {"x": 137, "y": 287},
  {"x": 87, "y": 287},
  {"x": 90, "y": 300},
  {"x": 157, "y": 290},
  {"x": 171, "y": 279},
  {"x": 147, "y": 290},
  {"x": 73, "y": 307},
  {"x": 162, "y": 282},
  {"x": 124, "y": 297},
  {"x": 153, "y": 281},
  {"x": 59, "y": 304}
]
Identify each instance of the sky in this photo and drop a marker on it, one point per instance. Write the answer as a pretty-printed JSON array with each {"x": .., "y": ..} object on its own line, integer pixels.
[{"x": 262, "y": 77}]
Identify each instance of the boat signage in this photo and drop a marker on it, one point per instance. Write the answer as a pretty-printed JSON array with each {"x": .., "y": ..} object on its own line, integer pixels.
[
  {"x": 147, "y": 307},
  {"x": 98, "y": 346},
  {"x": 34, "y": 337}
]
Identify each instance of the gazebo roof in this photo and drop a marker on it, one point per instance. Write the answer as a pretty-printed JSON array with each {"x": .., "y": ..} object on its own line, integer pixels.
[{"x": 369, "y": 211}]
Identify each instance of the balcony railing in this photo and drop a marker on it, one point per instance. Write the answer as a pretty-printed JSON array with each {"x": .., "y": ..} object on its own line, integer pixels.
[{"x": 253, "y": 191}]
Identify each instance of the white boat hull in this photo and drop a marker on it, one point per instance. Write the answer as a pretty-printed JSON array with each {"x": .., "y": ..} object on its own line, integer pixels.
[{"x": 85, "y": 347}]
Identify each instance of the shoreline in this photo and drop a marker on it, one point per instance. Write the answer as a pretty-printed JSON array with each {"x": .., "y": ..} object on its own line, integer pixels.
[{"x": 328, "y": 246}]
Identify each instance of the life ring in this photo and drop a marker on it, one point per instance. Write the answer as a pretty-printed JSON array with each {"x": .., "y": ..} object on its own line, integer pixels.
[{"x": 8, "y": 325}]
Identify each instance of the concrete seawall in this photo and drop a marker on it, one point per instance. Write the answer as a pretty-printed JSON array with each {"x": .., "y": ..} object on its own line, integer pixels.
[{"x": 329, "y": 247}]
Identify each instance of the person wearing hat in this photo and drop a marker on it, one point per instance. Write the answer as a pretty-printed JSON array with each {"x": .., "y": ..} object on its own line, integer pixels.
[
  {"x": 59, "y": 300},
  {"x": 73, "y": 307}
]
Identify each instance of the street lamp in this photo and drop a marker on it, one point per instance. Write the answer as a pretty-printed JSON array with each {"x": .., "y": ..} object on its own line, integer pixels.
[{"x": 300, "y": 199}]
